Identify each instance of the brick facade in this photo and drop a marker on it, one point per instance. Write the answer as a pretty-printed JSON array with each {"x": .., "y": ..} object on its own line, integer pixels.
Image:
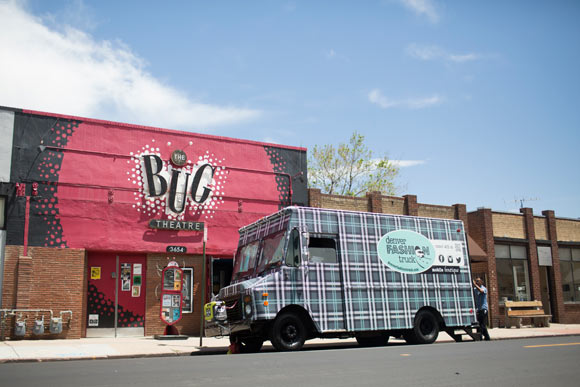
[
  {"x": 481, "y": 230},
  {"x": 532, "y": 250},
  {"x": 48, "y": 278},
  {"x": 558, "y": 311},
  {"x": 411, "y": 205}
]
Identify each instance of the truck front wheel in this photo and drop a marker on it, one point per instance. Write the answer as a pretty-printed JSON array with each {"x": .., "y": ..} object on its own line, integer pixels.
[
  {"x": 251, "y": 344},
  {"x": 288, "y": 333}
]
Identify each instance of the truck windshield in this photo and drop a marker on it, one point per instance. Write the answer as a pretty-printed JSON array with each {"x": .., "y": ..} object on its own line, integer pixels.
[
  {"x": 272, "y": 252},
  {"x": 245, "y": 261}
]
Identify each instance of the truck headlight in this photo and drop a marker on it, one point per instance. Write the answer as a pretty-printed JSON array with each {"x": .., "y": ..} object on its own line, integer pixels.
[
  {"x": 248, "y": 305},
  {"x": 215, "y": 310},
  {"x": 220, "y": 313}
]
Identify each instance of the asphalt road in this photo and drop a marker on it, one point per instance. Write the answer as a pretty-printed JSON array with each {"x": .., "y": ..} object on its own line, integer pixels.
[{"x": 526, "y": 362}]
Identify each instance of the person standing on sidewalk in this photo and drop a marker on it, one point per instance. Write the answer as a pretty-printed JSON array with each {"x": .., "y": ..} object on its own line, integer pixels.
[{"x": 480, "y": 293}]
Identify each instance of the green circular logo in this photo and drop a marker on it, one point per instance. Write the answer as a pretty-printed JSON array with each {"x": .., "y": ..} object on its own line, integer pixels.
[{"x": 406, "y": 251}]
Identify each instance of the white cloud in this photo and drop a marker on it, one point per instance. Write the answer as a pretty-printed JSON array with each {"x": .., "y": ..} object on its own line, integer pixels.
[
  {"x": 407, "y": 163},
  {"x": 69, "y": 72},
  {"x": 423, "y": 52},
  {"x": 463, "y": 57},
  {"x": 330, "y": 53},
  {"x": 376, "y": 97},
  {"x": 423, "y": 8}
]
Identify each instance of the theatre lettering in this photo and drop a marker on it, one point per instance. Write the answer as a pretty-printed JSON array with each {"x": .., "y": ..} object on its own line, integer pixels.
[{"x": 175, "y": 225}]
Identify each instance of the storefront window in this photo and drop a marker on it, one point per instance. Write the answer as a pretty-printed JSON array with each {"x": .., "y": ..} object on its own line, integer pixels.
[
  {"x": 570, "y": 270},
  {"x": 187, "y": 290},
  {"x": 512, "y": 273}
]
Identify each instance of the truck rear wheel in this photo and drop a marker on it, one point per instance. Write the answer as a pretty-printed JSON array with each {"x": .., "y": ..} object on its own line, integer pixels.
[
  {"x": 426, "y": 327},
  {"x": 288, "y": 333}
]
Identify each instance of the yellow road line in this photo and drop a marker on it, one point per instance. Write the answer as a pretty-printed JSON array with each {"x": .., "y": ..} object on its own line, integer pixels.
[{"x": 549, "y": 345}]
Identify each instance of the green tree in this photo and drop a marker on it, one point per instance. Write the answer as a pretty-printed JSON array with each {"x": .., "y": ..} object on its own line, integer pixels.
[{"x": 350, "y": 169}]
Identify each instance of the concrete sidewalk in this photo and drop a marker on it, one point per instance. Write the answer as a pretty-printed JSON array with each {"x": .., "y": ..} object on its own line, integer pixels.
[{"x": 130, "y": 347}]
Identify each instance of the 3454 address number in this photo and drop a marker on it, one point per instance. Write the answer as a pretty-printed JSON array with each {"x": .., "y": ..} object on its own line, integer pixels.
[{"x": 176, "y": 249}]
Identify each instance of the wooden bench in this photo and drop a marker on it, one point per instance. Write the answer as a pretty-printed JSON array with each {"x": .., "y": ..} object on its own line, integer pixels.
[{"x": 516, "y": 310}]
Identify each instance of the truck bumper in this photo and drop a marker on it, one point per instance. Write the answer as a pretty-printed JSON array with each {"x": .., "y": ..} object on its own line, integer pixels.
[{"x": 214, "y": 329}]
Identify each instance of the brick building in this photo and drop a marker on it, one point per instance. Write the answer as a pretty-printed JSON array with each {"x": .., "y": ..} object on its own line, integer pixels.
[{"x": 91, "y": 211}]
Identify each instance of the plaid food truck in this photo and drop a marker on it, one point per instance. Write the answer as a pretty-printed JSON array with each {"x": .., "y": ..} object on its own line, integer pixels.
[{"x": 304, "y": 272}]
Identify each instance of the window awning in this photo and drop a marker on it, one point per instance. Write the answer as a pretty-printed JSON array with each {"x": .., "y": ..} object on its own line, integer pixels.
[{"x": 476, "y": 253}]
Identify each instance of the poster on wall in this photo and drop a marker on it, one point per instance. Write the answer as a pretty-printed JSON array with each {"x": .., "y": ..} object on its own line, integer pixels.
[
  {"x": 125, "y": 277},
  {"x": 177, "y": 281},
  {"x": 166, "y": 300},
  {"x": 168, "y": 280},
  {"x": 176, "y": 314},
  {"x": 93, "y": 320},
  {"x": 137, "y": 268},
  {"x": 95, "y": 273},
  {"x": 136, "y": 291},
  {"x": 166, "y": 313}
]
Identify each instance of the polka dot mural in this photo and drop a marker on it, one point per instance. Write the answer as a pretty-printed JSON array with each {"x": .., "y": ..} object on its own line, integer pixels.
[
  {"x": 281, "y": 167},
  {"x": 45, "y": 205},
  {"x": 99, "y": 303},
  {"x": 194, "y": 189}
]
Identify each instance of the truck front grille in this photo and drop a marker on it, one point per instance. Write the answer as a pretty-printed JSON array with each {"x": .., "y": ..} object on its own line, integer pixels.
[{"x": 234, "y": 309}]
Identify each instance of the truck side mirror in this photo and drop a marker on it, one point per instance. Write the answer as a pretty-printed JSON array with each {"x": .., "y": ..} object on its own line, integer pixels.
[
  {"x": 306, "y": 251},
  {"x": 296, "y": 249}
]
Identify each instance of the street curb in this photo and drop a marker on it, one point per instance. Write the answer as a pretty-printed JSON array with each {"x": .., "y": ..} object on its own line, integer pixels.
[{"x": 223, "y": 351}]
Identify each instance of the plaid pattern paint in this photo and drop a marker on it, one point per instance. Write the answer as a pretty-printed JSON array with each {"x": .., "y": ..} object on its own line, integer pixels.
[{"x": 360, "y": 292}]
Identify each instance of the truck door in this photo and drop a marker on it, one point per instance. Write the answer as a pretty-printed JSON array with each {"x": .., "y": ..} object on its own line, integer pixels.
[{"x": 323, "y": 293}]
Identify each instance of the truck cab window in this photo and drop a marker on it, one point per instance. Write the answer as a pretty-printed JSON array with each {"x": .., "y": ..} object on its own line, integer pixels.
[
  {"x": 245, "y": 261},
  {"x": 293, "y": 251},
  {"x": 322, "y": 250},
  {"x": 271, "y": 253}
]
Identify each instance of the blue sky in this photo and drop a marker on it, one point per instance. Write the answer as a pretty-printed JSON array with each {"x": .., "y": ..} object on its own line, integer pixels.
[{"x": 479, "y": 101}]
